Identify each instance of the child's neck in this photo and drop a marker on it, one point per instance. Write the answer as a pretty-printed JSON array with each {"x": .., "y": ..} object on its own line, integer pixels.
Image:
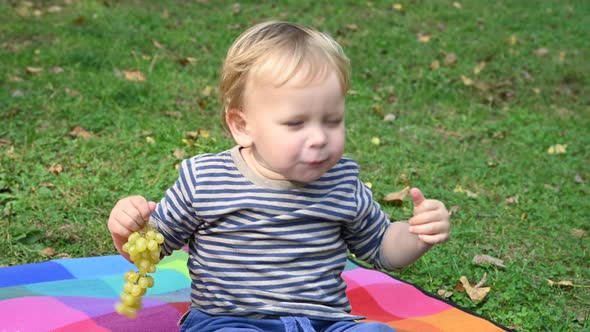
[{"x": 249, "y": 157}]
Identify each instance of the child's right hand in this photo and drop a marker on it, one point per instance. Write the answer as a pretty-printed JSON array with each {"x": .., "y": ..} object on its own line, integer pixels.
[{"x": 130, "y": 214}]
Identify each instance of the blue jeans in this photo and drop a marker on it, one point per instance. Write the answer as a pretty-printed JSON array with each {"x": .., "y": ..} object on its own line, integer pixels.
[{"x": 198, "y": 321}]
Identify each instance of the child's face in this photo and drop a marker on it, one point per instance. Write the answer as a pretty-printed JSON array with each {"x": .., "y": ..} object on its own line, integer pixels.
[{"x": 296, "y": 130}]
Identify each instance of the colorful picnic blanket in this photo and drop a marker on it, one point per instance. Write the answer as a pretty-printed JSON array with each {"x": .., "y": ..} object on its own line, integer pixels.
[{"x": 79, "y": 294}]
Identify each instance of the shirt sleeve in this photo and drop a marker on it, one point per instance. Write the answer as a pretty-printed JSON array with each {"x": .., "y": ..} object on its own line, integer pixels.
[
  {"x": 175, "y": 215},
  {"x": 365, "y": 234}
]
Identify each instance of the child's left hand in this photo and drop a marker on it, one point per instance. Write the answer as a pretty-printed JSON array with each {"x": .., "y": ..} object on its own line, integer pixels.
[{"x": 431, "y": 220}]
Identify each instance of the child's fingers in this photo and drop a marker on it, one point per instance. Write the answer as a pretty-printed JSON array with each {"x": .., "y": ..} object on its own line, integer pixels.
[
  {"x": 128, "y": 215},
  {"x": 434, "y": 239},
  {"x": 428, "y": 217},
  {"x": 120, "y": 228},
  {"x": 428, "y": 205},
  {"x": 131, "y": 219},
  {"x": 141, "y": 205},
  {"x": 432, "y": 228}
]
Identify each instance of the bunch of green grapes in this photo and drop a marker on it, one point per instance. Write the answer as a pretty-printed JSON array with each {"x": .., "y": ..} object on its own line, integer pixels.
[{"x": 143, "y": 248}]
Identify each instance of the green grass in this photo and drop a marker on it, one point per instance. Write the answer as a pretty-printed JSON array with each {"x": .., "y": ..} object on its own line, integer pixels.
[{"x": 490, "y": 141}]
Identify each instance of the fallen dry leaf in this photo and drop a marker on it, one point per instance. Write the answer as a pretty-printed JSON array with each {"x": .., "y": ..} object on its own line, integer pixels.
[
  {"x": 435, "y": 65},
  {"x": 56, "y": 168},
  {"x": 64, "y": 255},
  {"x": 10, "y": 152},
  {"x": 148, "y": 132},
  {"x": 207, "y": 91},
  {"x": 479, "y": 68},
  {"x": 445, "y": 294},
  {"x": 377, "y": 109},
  {"x": 187, "y": 61},
  {"x": 469, "y": 193},
  {"x": 397, "y": 197},
  {"x": 57, "y": 70},
  {"x": 423, "y": 37},
  {"x": 72, "y": 92},
  {"x": 156, "y": 44},
  {"x": 554, "y": 188},
  {"x": 453, "y": 210},
  {"x": 204, "y": 133},
  {"x": 541, "y": 51},
  {"x": 579, "y": 233},
  {"x": 352, "y": 27},
  {"x": 557, "y": 149},
  {"x": 79, "y": 132},
  {"x": 397, "y": 6},
  {"x": 173, "y": 114},
  {"x": 134, "y": 75},
  {"x": 391, "y": 98},
  {"x": 197, "y": 133},
  {"x": 476, "y": 294},
  {"x": 79, "y": 20},
  {"x": 389, "y": 117},
  {"x": 47, "y": 252},
  {"x": 179, "y": 154},
  {"x": 457, "y": 5},
  {"x": 466, "y": 80},
  {"x": 193, "y": 134},
  {"x": 46, "y": 185},
  {"x": 54, "y": 9},
  {"x": 512, "y": 200},
  {"x": 483, "y": 282},
  {"x": 23, "y": 10},
  {"x": 562, "y": 283},
  {"x": 450, "y": 59},
  {"x": 236, "y": 8},
  {"x": 512, "y": 40},
  {"x": 459, "y": 287},
  {"x": 34, "y": 70},
  {"x": 487, "y": 259},
  {"x": 150, "y": 140}
]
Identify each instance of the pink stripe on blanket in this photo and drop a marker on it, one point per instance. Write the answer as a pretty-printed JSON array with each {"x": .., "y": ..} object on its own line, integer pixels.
[
  {"x": 36, "y": 313},
  {"x": 387, "y": 297}
]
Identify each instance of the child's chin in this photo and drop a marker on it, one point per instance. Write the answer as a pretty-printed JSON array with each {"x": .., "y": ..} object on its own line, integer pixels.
[{"x": 307, "y": 178}]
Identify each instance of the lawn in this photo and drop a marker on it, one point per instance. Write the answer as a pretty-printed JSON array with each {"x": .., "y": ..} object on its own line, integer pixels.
[{"x": 481, "y": 104}]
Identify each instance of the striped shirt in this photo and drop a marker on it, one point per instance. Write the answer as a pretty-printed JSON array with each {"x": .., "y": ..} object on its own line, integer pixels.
[{"x": 261, "y": 248}]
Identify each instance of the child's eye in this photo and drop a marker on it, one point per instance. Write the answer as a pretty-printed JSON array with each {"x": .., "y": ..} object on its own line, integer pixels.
[
  {"x": 293, "y": 123},
  {"x": 334, "y": 121}
]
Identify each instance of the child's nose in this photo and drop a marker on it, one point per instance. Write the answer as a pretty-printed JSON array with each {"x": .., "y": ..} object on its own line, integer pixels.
[{"x": 318, "y": 137}]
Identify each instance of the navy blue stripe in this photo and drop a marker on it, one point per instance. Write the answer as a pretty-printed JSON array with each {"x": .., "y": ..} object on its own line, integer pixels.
[
  {"x": 254, "y": 267},
  {"x": 237, "y": 260}
]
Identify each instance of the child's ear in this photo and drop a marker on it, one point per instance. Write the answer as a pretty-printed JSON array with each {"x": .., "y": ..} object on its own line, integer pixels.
[{"x": 238, "y": 126}]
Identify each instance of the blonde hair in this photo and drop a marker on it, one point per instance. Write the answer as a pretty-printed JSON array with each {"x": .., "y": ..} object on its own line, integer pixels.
[{"x": 284, "y": 48}]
